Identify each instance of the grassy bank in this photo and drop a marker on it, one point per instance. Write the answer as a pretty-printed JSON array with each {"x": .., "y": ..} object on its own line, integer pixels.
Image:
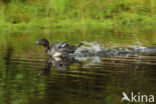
[{"x": 117, "y": 15}]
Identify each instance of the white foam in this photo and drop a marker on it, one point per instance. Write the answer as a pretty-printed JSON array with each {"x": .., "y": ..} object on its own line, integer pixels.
[
  {"x": 90, "y": 46},
  {"x": 139, "y": 48}
]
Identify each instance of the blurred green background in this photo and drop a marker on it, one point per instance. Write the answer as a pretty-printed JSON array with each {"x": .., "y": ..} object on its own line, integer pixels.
[
  {"x": 74, "y": 14},
  {"x": 112, "y": 23},
  {"x": 77, "y": 20}
]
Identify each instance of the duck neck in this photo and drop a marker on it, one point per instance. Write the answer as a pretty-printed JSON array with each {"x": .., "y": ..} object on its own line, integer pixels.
[{"x": 46, "y": 47}]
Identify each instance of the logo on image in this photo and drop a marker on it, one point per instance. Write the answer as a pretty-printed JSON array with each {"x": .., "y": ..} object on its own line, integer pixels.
[{"x": 137, "y": 98}]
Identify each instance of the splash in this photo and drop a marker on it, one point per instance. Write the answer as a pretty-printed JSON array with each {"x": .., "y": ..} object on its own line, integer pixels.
[
  {"x": 137, "y": 48},
  {"x": 90, "y": 47},
  {"x": 93, "y": 52},
  {"x": 95, "y": 49}
]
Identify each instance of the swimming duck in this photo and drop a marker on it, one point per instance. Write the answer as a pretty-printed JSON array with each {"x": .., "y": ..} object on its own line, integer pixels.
[{"x": 57, "y": 49}]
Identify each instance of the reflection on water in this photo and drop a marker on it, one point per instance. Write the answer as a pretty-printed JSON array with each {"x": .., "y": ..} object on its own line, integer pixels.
[
  {"x": 61, "y": 63},
  {"x": 28, "y": 76},
  {"x": 92, "y": 80}
]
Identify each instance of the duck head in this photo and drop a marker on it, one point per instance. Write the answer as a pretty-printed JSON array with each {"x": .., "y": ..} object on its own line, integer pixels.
[{"x": 44, "y": 42}]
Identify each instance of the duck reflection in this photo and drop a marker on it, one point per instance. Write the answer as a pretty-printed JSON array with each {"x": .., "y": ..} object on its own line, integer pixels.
[{"x": 59, "y": 63}]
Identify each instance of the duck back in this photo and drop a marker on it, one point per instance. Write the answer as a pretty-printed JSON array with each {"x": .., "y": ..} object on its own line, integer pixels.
[{"x": 61, "y": 48}]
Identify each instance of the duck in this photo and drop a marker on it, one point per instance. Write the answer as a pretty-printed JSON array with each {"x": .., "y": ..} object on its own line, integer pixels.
[{"x": 57, "y": 49}]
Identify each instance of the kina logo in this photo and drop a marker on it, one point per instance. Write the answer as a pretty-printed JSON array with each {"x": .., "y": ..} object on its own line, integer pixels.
[{"x": 137, "y": 97}]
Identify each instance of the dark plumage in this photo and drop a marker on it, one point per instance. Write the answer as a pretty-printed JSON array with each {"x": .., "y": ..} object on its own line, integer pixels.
[{"x": 58, "y": 48}]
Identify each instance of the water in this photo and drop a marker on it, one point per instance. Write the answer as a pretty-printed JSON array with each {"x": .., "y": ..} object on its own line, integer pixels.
[{"x": 29, "y": 76}]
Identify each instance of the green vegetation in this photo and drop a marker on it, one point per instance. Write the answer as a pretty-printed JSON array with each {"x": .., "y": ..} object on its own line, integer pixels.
[
  {"x": 77, "y": 20},
  {"x": 112, "y": 23},
  {"x": 27, "y": 15}
]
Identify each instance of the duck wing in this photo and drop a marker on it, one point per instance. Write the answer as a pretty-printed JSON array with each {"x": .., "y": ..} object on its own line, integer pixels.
[
  {"x": 67, "y": 48},
  {"x": 60, "y": 45},
  {"x": 64, "y": 47}
]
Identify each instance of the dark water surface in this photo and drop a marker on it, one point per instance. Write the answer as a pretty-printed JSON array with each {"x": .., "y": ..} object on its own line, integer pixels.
[{"x": 28, "y": 76}]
